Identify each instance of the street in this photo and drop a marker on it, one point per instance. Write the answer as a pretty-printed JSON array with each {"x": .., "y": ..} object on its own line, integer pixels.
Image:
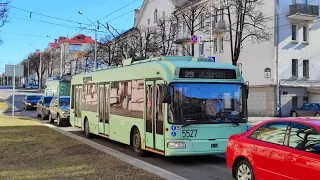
[{"x": 197, "y": 168}]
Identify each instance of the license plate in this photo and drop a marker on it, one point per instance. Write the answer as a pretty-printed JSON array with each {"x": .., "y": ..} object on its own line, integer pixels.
[
  {"x": 190, "y": 133},
  {"x": 34, "y": 105}
]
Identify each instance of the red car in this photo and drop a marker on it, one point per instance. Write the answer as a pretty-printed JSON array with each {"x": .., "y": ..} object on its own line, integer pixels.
[{"x": 287, "y": 148}]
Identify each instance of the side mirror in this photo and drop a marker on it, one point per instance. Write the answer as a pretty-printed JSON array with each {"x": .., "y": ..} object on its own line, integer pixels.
[
  {"x": 246, "y": 88},
  {"x": 166, "y": 95}
]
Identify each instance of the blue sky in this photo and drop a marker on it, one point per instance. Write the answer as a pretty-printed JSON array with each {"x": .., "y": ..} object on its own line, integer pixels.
[{"x": 23, "y": 30}]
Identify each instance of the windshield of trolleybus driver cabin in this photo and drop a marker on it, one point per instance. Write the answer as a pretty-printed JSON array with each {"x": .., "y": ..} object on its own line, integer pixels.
[{"x": 198, "y": 101}]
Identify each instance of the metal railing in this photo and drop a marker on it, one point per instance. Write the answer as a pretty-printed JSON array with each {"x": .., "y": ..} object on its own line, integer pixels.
[{"x": 307, "y": 9}]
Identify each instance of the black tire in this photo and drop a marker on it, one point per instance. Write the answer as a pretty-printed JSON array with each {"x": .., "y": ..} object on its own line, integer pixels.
[
  {"x": 136, "y": 143},
  {"x": 244, "y": 171},
  {"x": 87, "y": 129},
  {"x": 50, "y": 118},
  {"x": 294, "y": 114},
  {"x": 317, "y": 115},
  {"x": 59, "y": 122}
]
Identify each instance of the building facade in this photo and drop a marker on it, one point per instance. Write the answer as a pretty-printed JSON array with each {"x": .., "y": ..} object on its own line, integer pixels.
[
  {"x": 282, "y": 72},
  {"x": 69, "y": 49}
]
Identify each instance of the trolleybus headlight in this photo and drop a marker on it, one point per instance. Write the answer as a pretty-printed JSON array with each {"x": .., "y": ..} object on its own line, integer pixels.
[{"x": 176, "y": 145}]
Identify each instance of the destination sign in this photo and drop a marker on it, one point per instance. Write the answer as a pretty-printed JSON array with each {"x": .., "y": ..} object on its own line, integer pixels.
[{"x": 205, "y": 73}]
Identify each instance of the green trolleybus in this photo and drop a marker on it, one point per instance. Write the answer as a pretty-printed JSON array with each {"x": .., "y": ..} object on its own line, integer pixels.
[{"x": 172, "y": 105}]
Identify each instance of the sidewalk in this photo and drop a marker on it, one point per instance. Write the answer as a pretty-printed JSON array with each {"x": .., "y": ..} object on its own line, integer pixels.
[{"x": 30, "y": 150}]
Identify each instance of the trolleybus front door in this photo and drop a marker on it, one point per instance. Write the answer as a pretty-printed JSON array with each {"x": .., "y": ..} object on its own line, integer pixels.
[
  {"x": 77, "y": 108},
  {"x": 154, "y": 116},
  {"x": 103, "y": 124}
]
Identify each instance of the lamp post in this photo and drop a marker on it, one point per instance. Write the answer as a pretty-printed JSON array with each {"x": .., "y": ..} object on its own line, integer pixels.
[
  {"x": 95, "y": 40},
  {"x": 40, "y": 67}
]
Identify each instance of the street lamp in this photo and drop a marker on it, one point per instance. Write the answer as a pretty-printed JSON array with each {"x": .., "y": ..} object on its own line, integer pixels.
[
  {"x": 40, "y": 68},
  {"x": 95, "y": 41}
]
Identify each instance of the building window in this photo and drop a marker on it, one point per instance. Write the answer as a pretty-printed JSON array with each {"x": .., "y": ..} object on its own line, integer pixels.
[
  {"x": 74, "y": 48},
  {"x": 201, "y": 49},
  {"x": 148, "y": 21},
  {"x": 294, "y": 32},
  {"x": 294, "y": 67},
  {"x": 306, "y": 68},
  {"x": 221, "y": 44},
  {"x": 216, "y": 16},
  {"x": 305, "y": 33},
  {"x": 155, "y": 15},
  {"x": 215, "y": 45},
  {"x": 163, "y": 14},
  {"x": 221, "y": 15},
  {"x": 305, "y": 99},
  {"x": 201, "y": 20},
  {"x": 294, "y": 102}
]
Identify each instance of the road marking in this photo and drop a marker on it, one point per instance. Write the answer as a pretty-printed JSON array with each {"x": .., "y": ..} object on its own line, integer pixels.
[{"x": 127, "y": 159}]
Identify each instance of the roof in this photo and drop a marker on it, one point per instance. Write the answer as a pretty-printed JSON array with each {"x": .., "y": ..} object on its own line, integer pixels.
[
  {"x": 311, "y": 121},
  {"x": 79, "y": 38}
]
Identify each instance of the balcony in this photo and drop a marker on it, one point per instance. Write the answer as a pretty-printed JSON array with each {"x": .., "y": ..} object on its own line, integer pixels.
[
  {"x": 182, "y": 38},
  {"x": 219, "y": 27},
  {"x": 303, "y": 12}
]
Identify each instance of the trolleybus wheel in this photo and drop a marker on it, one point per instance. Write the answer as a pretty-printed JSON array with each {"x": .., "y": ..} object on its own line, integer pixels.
[
  {"x": 86, "y": 128},
  {"x": 136, "y": 143}
]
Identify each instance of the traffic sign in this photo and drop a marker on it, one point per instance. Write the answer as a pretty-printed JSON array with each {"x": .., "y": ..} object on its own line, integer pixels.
[
  {"x": 213, "y": 58},
  {"x": 194, "y": 39}
]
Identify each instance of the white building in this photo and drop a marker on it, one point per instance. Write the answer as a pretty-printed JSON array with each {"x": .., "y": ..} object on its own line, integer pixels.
[{"x": 290, "y": 58}]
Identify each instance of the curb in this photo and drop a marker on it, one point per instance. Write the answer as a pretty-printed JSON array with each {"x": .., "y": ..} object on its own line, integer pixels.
[{"x": 121, "y": 156}]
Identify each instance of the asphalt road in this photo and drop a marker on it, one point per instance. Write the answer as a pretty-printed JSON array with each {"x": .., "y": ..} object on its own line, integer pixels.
[{"x": 193, "y": 168}]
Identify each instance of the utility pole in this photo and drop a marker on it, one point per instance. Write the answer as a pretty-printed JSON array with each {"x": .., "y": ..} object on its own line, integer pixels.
[
  {"x": 40, "y": 69},
  {"x": 95, "y": 41}
]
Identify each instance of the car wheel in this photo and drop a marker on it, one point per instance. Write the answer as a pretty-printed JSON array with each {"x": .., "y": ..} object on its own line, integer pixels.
[
  {"x": 317, "y": 115},
  {"x": 244, "y": 171},
  {"x": 136, "y": 143},
  {"x": 294, "y": 114},
  {"x": 50, "y": 118},
  {"x": 59, "y": 122},
  {"x": 42, "y": 116},
  {"x": 87, "y": 129}
]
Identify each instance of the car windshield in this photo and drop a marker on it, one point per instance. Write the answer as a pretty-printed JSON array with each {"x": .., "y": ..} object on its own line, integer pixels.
[
  {"x": 33, "y": 97},
  {"x": 47, "y": 99},
  {"x": 206, "y": 103},
  {"x": 64, "y": 101}
]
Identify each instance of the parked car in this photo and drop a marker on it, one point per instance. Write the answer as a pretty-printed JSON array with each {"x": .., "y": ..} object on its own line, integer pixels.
[
  {"x": 30, "y": 101},
  {"x": 307, "y": 110},
  {"x": 43, "y": 107},
  {"x": 287, "y": 148},
  {"x": 60, "y": 110}
]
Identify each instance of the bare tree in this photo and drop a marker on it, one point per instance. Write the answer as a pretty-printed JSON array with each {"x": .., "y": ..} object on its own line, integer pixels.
[
  {"x": 192, "y": 13},
  {"x": 34, "y": 64},
  {"x": 143, "y": 42},
  {"x": 4, "y": 10},
  {"x": 166, "y": 31},
  {"x": 245, "y": 20}
]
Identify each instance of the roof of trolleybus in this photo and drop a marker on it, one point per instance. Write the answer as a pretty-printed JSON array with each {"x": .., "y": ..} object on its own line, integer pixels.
[{"x": 165, "y": 67}]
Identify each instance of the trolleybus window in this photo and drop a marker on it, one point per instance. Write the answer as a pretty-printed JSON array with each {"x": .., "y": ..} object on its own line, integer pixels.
[
  {"x": 207, "y": 103},
  {"x": 126, "y": 98}
]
